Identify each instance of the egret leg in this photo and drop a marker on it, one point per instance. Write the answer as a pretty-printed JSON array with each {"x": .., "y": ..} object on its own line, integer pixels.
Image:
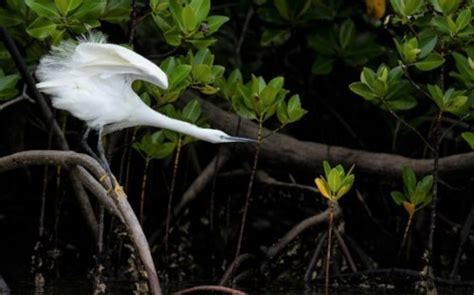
[
  {"x": 86, "y": 146},
  {"x": 105, "y": 163}
]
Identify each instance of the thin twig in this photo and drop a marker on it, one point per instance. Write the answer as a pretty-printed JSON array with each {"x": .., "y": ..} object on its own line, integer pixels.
[
  {"x": 244, "y": 30},
  {"x": 387, "y": 107},
  {"x": 170, "y": 198},
  {"x": 249, "y": 190},
  {"x": 329, "y": 248}
]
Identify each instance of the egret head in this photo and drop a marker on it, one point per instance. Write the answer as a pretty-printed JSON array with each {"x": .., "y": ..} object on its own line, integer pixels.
[{"x": 217, "y": 136}]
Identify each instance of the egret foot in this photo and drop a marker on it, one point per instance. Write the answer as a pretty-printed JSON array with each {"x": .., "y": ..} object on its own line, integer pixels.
[{"x": 118, "y": 189}]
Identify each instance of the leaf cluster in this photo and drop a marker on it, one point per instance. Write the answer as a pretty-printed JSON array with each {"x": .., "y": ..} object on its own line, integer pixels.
[
  {"x": 335, "y": 183},
  {"x": 415, "y": 195}
]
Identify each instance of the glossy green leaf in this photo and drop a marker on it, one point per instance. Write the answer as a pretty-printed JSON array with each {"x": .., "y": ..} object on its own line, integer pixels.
[
  {"x": 431, "y": 62},
  {"x": 201, "y": 8},
  {"x": 188, "y": 16},
  {"x": 175, "y": 9},
  {"x": 179, "y": 74},
  {"x": 463, "y": 19},
  {"x": 282, "y": 113},
  {"x": 41, "y": 28},
  {"x": 43, "y": 8},
  {"x": 214, "y": 22},
  {"x": 90, "y": 9},
  {"x": 192, "y": 111},
  {"x": 65, "y": 6},
  {"x": 173, "y": 37},
  {"x": 363, "y": 90}
]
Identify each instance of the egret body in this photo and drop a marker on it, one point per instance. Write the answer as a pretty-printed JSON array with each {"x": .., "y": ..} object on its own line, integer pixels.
[{"x": 92, "y": 80}]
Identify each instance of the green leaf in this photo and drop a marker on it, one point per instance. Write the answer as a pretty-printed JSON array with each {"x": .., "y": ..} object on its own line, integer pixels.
[
  {"x": 334, "y": 180},
  {"x": 175, "y": 9},
  {"x": 41, "y": 28},
  {"x": 44, "y": 8},
  {"x": 202, "y": 43},
  {"x": 277, "y": 83},
  {"x": 409, "y": 179},
  {"x": 282, "y": 7},
  {"x": 7, "y": 19},
  {"x": 294, "y": 105},
  {"x": 8, "y": 86},
  {"x": 363, "y": 90},
  {"x": 65, "y": 6},
  {"x": 268, "y": 95},
  {"x": 322, "y": 65},
  {"x": 188, "y": 16},
  {"x": 201, "y": 73},
  {"x": 412, "y": 6},
  {"x": 398, "y": 197},
  {"x": 282, "y": 113},
  {"x": 469, "y": 138},
  {"x": 117, "y": 11},
  {"x": 463, "y": 19},
  {"x": 274, "y": 37},
  {"x": 164, "y": 150},
  {"x": 192, "y": 111},
  {"x": 173, "y": 37},
  {"x": 425, "y": 184},
  {"x": 202, "y": 8},
  {"x": 441, "y": 23},
  {"x": 426, "y": 46},
  {"x": 214, "y": 22},
  {"x": 179, "y": 74},
  {"x": 327, "y": 168},
  {"x": 346, "y": 33},
  {"x": 90, "y": 9},
  {"x": 432, "y": 61}
]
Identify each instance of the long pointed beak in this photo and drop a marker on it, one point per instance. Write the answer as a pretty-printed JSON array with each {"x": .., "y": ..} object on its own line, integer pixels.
[{"x": 239, "y": 139}]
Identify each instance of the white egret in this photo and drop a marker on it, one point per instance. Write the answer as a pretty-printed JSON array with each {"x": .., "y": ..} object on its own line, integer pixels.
[{"x": 92, "y": 79}]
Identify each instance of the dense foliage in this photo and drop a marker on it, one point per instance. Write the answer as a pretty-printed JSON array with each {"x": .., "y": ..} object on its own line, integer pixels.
[{"x": 376, "y": 77}]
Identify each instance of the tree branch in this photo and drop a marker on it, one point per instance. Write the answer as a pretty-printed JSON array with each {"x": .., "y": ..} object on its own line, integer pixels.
[{"x": 283, "y": 151}]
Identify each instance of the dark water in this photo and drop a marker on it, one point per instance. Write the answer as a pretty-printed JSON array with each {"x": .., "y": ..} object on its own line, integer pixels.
[{"x": 82, "y": 286}]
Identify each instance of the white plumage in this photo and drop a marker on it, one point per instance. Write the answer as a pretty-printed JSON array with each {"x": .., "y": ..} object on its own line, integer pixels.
[{"x": 93, "y": 81}]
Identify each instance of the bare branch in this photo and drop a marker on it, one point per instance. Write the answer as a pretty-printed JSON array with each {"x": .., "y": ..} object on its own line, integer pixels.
[{"x": 285, "y": 152}]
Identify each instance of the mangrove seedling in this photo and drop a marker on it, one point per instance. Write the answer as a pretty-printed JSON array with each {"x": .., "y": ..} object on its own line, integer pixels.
[
  {"x": 335, "y": 184},
  {"x": 415, "y": 196}
]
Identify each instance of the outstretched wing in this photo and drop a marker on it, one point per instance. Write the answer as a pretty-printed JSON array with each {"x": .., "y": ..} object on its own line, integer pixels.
[{"x": 111, "y": 59}]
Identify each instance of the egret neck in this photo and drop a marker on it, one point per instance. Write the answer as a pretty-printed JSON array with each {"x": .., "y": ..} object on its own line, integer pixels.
[{"x": 152, "y": 118}]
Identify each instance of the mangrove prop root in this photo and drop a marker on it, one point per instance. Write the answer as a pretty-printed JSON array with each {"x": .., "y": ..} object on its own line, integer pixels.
[{"x": 72, "y": 159}]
